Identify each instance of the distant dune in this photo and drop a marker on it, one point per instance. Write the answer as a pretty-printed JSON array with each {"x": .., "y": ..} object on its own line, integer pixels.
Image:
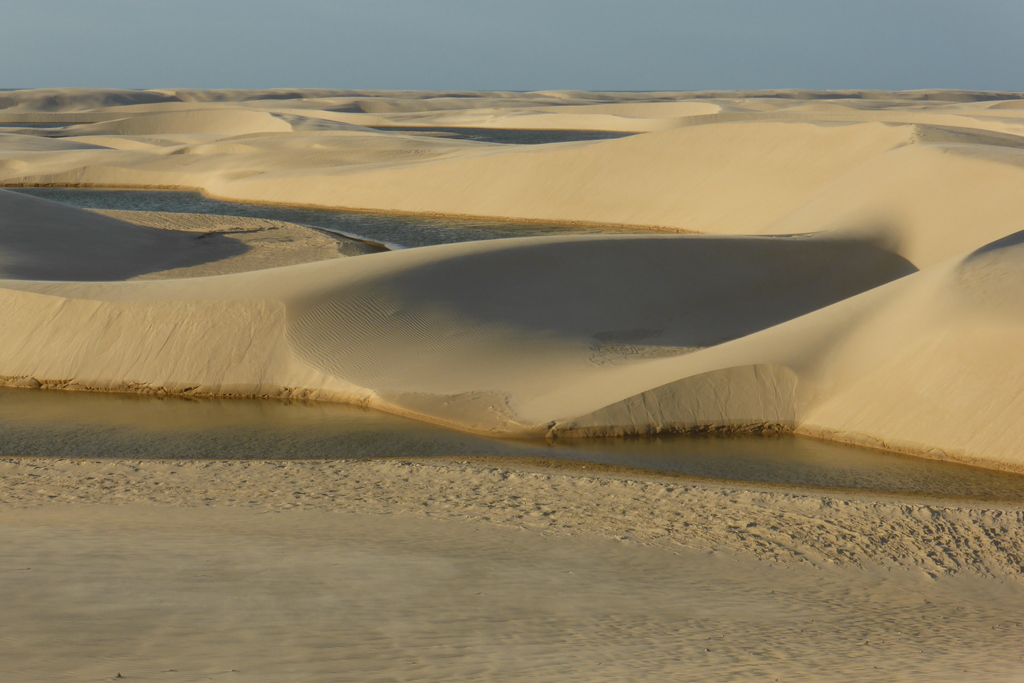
[{"x": 856, "y": 277}]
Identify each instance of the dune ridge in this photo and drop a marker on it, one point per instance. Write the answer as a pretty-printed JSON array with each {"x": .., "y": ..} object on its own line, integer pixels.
[{"x": 856, "y": 277}]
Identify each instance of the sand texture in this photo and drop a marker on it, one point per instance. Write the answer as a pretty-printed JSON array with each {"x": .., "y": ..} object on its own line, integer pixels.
[
  {"x": 843, "y": 264},
  {"x": 264, "y": 243},
  {"x": 416, "y": 571},
  {"x": 855, "y": 279}
]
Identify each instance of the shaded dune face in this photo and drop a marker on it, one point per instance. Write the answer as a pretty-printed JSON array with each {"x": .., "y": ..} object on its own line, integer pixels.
[
  {"x": 757, "y": 398},
  {"x": 74, "y": 99},
  {"x": 989, "y": 278},
  {"x": 609, "y": 299},
  {"x": 820, "y": 327},
  {"x": 44, "y": 240}
]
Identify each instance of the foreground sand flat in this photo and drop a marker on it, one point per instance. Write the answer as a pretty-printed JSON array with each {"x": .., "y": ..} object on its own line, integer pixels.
[
  {"x": 426, "y": 570},
  {"x": 857, "y": 280}
]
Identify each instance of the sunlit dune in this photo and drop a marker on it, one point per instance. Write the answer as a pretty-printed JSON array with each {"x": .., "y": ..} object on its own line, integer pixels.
[{"x": 844, "y": 265}]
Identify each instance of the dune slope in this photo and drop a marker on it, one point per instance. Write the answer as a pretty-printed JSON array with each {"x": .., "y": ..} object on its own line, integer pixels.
[
  {"x": 858, "y": 280},
  {"x": 43, "y": 240},
  {"x": 727, "y": 332}
]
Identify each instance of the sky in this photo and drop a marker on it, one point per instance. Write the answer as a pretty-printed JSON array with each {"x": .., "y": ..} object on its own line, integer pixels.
[{"x": 514, "y": 45}]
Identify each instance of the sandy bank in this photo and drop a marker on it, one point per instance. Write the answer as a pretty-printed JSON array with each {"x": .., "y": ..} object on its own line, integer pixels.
[
  {"x": 909, "y": 169},
  {"x": 350, "y": 570},
  {"x": 857, "y": 281}
]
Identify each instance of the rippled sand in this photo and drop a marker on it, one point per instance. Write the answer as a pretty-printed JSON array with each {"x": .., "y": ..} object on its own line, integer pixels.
[
  {"x": 374, "y": 570},
  {"x": 857, "y": 280}
]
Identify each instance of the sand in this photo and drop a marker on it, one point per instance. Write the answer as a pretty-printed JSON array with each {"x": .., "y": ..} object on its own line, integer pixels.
[
  {"x": 417, "y": 571},
  {"x": 117, "y": 245},
  {"x": 846, "y": 266},
  {"x": 778, "y": 316},
  {"x": 266, "y": 243}
]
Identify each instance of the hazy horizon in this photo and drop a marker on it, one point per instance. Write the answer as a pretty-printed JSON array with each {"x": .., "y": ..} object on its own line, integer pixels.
[{"x": 525, "y": 46}]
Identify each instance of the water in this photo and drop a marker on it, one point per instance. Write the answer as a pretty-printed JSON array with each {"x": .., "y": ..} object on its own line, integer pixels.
[
  {"x": 71, "y": 424},
  {"x": 513, "y": 136},
  {"x": 408, "y": 231},
  {"x": 96, "y": 425},
  {"x": 504, "y": 136},
  {"x": 33, "y": 125}
]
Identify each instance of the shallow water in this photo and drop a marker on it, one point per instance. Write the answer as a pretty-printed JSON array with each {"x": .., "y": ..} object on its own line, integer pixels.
[
  {"x": 72, "y": 424},
  {"x": 33, "y": 125},
  {"x": 512, "y": 136},
  {"x": 408, "y": 231},
  {"x": 96, "y": 425}
]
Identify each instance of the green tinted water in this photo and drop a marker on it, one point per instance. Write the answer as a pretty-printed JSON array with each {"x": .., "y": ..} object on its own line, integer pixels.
[{"x": 95, "y": 425}]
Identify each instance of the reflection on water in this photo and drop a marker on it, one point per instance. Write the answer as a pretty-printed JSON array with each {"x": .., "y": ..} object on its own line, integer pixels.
[
  {"x": 512, "y": 136},
  {"x": 408, "y": 231},
  {"x": 91, "y": 425}
]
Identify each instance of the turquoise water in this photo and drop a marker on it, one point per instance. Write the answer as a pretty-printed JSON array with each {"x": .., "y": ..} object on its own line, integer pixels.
[
  {"x": 95, "y": 425},
  {"x": 408, "y": 231}
]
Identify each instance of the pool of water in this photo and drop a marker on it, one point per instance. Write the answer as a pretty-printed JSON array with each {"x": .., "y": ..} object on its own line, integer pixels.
[
  {"x": 96, "y": 425},
  {"x": 73, "y": 424},
  {"x": 407, "y": 231},
  {"x": 33, "y": 125},
  {"x": 512, "y": 136}
]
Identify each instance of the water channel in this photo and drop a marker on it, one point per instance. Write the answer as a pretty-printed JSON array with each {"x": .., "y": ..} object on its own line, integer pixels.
[
  {"x": 45, "y": 423},
  {"x": 510, "y": 136},
  {"x": 404, "y": 230},
  {"x": 54, "y": 423}
]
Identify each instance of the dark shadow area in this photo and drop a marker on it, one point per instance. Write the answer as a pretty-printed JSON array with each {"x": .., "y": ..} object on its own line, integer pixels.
[
  {"x": 656, "y": 291},
  {"x": 1011, "y": 240},
  {"x": 44, "y": 240},
  {"x": 404, "y": 230}
]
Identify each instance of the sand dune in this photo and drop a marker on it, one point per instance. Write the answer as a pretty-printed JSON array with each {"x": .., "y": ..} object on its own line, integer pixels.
[
  {"x": 898, "y": 175},
  {"x": 43, "y": 240},
  {"x": 203, "y": 122},
  {"x": 578, "y": 348},
  {"x": 859, "y": 279},
  {"x": 76, "y": 99},
  {"x": 856, "y": 281}
]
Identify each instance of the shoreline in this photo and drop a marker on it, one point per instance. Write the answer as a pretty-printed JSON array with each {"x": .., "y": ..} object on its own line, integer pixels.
[
  {"x": 664, "y": 512},
  {"x": 849, "y": 274},
  {"x": 383, "y": 212},
  {"x": 528, "y": 465},
  {"x": 853, "y": 341},
  {"x": 298, "y": 394}
]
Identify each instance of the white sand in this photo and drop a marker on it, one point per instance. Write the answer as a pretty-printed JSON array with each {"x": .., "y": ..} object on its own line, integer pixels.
[
  {"x": 266, "y": 243},
  {"x": 571, "y": 335},
  {"x": 859, "y": 281},
  {"x": 415, "y": 571},
  {"x": 42, "y": 240}
]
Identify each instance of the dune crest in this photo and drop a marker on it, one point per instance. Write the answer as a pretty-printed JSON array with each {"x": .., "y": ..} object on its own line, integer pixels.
[
  {"x": 857, "y": 278},
  {"x": 190, "y": 122}
]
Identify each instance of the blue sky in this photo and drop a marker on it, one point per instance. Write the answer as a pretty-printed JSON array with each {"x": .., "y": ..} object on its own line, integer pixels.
[{"x": 521, "y": 45}]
